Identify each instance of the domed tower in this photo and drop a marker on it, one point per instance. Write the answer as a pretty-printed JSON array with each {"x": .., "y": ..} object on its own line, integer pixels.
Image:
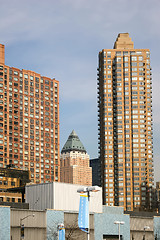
[{"x": 75, "y": 162}]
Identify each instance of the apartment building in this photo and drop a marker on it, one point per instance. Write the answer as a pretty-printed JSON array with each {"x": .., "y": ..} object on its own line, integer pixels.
[
  {"x": 125, "y": 124},
  {"x": 29, "y": 122}
]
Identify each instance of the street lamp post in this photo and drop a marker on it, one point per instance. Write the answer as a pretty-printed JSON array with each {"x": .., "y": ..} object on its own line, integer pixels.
[
  {"x": 21, "y": 225},
  {"x": 145, "y": 228},
  {"x": 119, "y": 223},
  {"x": 88, "y": 190}
]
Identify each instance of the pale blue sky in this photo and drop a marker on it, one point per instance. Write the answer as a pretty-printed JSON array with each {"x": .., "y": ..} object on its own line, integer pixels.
[{"x": 62, "y": 38}]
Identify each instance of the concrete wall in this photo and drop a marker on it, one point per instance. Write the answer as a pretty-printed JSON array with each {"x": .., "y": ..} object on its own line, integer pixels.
[
  {"x": 59, "y": 196},
  {"x": 72, "y": 229},
  {"x": 4, "y": 223},
  {"x": 137, "y": 225},
  {"x": 104, "y": 223},
  {"x": 34, "y": 227},
  {"x": 44, "y": 224}
]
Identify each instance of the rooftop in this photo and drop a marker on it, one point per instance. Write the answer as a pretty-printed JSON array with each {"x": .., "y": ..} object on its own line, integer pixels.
[
  {"x": 73, "y": 144},
  {"x": 123, "y": 41}
]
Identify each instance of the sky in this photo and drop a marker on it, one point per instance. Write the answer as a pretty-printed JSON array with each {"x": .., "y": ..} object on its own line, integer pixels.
[{"x": 62, "y": 38}]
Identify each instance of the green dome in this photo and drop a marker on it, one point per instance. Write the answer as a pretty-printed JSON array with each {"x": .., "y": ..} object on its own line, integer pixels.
[{"x": 73, "y": 144}]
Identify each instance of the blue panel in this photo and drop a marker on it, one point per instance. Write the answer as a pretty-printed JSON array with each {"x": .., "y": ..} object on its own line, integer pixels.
[
  {"x": 104, "y": 223},
  {"x": 4, "y": 223},
  {"x": 83, "y": 216},
  {"x": 157, "y": 227}
]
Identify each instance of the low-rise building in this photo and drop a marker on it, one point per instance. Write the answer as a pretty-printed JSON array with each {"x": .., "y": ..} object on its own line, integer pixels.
[
  {"x": 42, "y": 225},
  {"x": 59, "y": 196},
  {"x": 12, "y": 184}
]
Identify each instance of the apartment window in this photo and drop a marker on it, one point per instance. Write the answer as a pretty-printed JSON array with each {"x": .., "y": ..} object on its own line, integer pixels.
[
  {"x": 140, "y": 58},
  {"x": 5, "y": 183},
  {"x": 134, "y": 58},
  {"x": 126, "y": 59},
  {"x": 26, "y": 76}
]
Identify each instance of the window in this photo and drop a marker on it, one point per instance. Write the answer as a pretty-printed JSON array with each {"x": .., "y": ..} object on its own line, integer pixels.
[
  {"x": 133, "y": 58},
  {"x": 26, "y": 76},
  {"x": 12, "y": 183},
  {"x": 5, "y": 183},
  {"x": 140, "y": 58}
]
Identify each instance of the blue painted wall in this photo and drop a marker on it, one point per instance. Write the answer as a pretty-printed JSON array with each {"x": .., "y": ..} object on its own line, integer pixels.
[
  {"x": 104, "y": 223},
  {"x": 53, "y": 219},
  {"x": 4, "y": 223},
  {"x": 157, "y": 227}
]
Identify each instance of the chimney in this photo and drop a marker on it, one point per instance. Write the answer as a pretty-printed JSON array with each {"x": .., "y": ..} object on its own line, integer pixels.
[{"x": 2, "y": 54}]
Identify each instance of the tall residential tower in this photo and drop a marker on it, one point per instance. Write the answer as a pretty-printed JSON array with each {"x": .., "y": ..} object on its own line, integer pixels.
[
  {"x": 29, "y": 122},
  {"x": 125, "y": 124}
]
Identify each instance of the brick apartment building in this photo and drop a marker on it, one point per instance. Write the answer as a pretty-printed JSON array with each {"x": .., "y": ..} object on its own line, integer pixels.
[{"x": 29, "y": 122}]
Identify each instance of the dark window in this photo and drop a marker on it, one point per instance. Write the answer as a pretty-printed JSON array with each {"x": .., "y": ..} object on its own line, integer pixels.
[
  {"x": 12, "y": 183},
  {"x": 5, "y": 183}
]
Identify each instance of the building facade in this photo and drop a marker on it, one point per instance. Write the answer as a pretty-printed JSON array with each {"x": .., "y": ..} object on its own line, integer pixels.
[
  {"x": 125, "y": 124},
  {"x": 75, "y": 162},
  {"x": 29, "y": 122},
  {"x": 43, "y": 226},
  {"x": 95, "y": 164},
  {"x": 11, "y": 180},
  {"x": 60, "y": 196}
]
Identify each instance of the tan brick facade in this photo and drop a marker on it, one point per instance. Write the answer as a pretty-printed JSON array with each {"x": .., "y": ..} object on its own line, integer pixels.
[
  {"x": 29, "y": 122},
  {"x": 125, "y": 124}
]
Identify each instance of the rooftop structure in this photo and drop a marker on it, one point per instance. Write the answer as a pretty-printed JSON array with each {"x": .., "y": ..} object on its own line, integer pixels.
[{"x": 73, "y": 143}]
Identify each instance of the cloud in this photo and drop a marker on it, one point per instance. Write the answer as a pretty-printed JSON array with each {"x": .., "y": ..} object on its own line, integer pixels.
[
  {"x": 38, "y": 19},
  {"x": 62, "y": 39}
]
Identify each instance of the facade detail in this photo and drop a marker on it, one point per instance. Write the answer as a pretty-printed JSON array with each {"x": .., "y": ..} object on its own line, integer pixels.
[
  {"x": 75, "y": 162},
  {"x": 29, "y": 122},
  {"x": 125, "y": 125},
  {"x": 11, "y": 180}
]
